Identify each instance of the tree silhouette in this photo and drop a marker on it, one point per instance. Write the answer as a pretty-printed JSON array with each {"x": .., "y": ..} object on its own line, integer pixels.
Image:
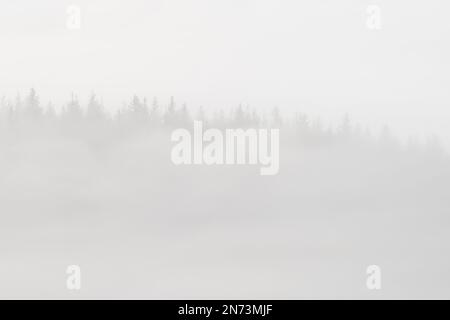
[
  {"x": 94, "y": 112},
  {"x": 96, "y": 121},
  {"x": 31, "y": 109}
]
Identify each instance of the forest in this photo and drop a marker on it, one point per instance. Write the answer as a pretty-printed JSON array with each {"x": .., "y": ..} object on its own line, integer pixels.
[
  {"x": 84, "y": 185},
  {"x": 96, "y": 121}
]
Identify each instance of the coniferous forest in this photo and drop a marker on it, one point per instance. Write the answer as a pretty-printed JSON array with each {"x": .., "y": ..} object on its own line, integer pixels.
[{"x": 80, "y": 182}]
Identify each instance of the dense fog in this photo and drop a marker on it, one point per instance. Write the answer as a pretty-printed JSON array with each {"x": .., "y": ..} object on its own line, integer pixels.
[{"x": 98, "y": 189}]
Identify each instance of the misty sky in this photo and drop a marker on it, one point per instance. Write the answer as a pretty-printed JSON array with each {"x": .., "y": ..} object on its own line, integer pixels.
[{"x": 315, "y": 56}]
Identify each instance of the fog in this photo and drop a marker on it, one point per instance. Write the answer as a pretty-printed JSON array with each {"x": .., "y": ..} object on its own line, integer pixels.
[
  {"x": 312, "y": 56},
  {"x": 101, "y": 192},
  {"x": 88, "y": 180}
]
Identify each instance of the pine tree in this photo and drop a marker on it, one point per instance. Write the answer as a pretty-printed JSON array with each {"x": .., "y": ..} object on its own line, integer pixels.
[
  {"x": 277, "y": 121},
  {"x": 170, "y": 117},
  {"x": 154, "y": 114},
  {"x": 32, "y": 109},
  {"x": 239, "y": 116},
  {"x": 73, "y": 112},
  {"x": 94, "y": 111},
  {"x": 185, "y": 117},
  {"x": 345, "y": 128}
]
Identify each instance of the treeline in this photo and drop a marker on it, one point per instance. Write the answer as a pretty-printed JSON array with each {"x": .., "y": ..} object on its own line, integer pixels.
[
  {"x": 94, "y": 121},
  {"x": 137, "y": 112}
]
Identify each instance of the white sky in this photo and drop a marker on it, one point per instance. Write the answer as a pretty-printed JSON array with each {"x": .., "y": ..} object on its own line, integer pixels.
[{"x": 315, "y": 56}]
